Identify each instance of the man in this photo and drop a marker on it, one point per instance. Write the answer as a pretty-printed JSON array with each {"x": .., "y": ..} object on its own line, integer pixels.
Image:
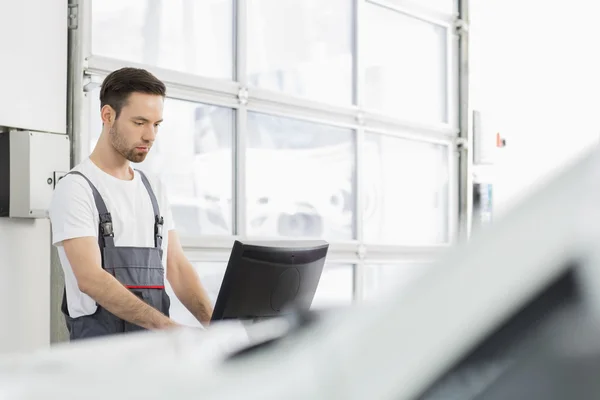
[{"x": 113, "y": 227}]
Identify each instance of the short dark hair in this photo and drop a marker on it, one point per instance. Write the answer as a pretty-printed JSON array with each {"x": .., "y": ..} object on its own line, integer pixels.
[{"x": 119, "y": 84}]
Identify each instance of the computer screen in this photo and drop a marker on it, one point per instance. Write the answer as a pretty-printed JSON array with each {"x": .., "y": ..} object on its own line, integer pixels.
[
  {"x": 270, "y": 278},
  {"x": 550, "y": 349}
]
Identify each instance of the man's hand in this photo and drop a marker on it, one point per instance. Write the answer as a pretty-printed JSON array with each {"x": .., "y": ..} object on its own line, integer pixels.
[
  {"x": 85, "y": 259},
  {"x": 185, "y": 282}
]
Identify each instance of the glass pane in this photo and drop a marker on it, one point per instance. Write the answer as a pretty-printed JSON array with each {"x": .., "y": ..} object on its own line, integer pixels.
[
  {"x": 302, "y": 48},
  {"x": 211, "y": 275},
  {"x": 193, "y": 157},
  {"x": 383, "y": 279},
  {"x": 406, "y": 77},
  {"x": 336, "y": 287},
  {"x": 300, "y": 179},
  {"x": 406, "y": 191},
  {"x": 182, "y": 35}
]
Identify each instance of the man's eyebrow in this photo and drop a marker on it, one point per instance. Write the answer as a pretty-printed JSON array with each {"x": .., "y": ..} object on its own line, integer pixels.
[{"x": 144, "y": 119}]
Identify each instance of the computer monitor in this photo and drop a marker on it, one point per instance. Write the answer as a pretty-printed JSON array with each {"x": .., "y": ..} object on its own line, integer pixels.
[{"x": 268, "y": 279}]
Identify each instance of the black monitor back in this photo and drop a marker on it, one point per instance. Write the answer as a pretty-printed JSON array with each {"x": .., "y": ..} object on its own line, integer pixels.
[{"x": 266, "y": 279}]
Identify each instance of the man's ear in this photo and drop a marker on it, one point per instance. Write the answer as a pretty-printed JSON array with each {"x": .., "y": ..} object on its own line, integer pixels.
[{"x": 108, "y": 114}]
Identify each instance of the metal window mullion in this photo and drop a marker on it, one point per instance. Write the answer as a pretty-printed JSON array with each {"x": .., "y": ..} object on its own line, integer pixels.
[
  {"x": 75, "y": 97},
  {"x": 241, "y": 126},
  {"x": 241, "y": 44},
  {"x": 350, "y": 117},
  {"x": 185, "y": 93},
  {"x": 240, "y": 172},
  {"x": 434, "y": 137},
  {"x": 358, "y": 282},
  {"x": 358, "y": 60},
  {"x": 391, "y": 259},
  {"x": 271, "y": 102},
  {"x": 358, "y": 270},
  {"x": 347, "y": 248},
  {"x": 217, "y": 99},
  {"x": 380, "y": 121},
  {"x": 100, "y": 65},
  {"x": 222, "y": 253},
  {"x": 465, "y": 166},
  {"x": 381, "y": 253},
  {"x": 453, "y": 194},
  {"x": 359, "y": 185},
  {"x": 84, "y": 134},
  {"x": 80, "y": 43},
  {"x": 453, "y": 79},
  {"x": 85, "y": 26}
]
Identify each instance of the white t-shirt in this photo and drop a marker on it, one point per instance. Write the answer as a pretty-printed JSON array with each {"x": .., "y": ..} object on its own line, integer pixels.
[{"x": 73, "y": 214}]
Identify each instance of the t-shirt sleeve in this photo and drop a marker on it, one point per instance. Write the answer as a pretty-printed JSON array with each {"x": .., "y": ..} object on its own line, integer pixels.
[{"x": 72, "y": 211}]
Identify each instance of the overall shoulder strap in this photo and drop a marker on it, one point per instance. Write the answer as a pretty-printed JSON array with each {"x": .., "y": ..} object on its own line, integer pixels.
[
  {"x": 106, "y": 233},
  {"x": 158, "y": 219}
]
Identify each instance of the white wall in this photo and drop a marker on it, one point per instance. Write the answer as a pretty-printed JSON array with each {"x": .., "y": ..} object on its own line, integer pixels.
[
  {"x": 24, "y": 284},
  {"x": 535, "y": 68},
  {"x": 33, "y": 70},
  {"x": 33, "y": 87}
]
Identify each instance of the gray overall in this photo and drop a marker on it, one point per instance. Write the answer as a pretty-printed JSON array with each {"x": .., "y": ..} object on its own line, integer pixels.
[{"x": 139, "y": 269}]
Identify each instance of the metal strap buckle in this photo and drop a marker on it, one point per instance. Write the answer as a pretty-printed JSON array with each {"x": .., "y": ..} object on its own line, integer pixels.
[
  {"x": 107, "y": 229},
  {"x": 158, "y": 226},
  {"x": 106, "y": 226}
]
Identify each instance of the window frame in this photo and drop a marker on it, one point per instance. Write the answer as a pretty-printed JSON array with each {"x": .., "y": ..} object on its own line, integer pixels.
[{"x": 86, "y": 71}]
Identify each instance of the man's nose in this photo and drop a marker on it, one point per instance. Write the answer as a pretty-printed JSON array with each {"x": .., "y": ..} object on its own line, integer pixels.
[{"x": 149, "y": 134}]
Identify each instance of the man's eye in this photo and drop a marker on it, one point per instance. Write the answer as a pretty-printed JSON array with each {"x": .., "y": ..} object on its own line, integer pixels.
[{"x": 139, "y": 123}]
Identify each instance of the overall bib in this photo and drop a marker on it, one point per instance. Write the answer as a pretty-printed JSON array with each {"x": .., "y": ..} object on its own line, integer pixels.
[{"x": 139, "y": 269}]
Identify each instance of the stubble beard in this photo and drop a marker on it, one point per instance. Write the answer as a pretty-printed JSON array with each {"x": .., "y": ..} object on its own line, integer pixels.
[{"x": 120, "y": 145}]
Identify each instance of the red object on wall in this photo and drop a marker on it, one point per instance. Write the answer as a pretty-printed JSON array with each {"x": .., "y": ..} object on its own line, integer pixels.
[{"x": 499, "y": 141}]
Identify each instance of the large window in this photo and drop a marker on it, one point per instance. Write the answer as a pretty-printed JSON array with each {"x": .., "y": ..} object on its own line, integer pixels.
[{"x": 295, "y": 119}]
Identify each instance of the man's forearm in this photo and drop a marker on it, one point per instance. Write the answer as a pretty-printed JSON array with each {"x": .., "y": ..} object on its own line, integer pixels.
[
  {"x": 117, "y": 299},
  {"x": 190, "y": 292}
]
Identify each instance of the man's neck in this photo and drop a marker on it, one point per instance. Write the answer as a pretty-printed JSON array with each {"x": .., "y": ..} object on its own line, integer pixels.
[{"x": 112, "y": 162}]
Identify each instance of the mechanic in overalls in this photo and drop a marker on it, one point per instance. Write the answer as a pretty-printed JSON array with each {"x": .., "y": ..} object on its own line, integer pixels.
[{"x": 112, "y": 224}]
